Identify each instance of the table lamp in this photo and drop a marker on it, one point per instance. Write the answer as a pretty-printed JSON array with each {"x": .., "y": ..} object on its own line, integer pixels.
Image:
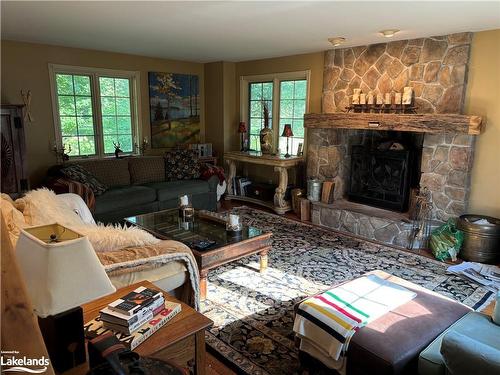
[
  {"x": 62, "y": 272},
  {"x": 287, "y": 132},
  {"x": 242, "y": 129}
]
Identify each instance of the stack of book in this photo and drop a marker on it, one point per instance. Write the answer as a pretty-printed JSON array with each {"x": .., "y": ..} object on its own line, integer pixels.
[
  {"x": 134, "y": 317},
  {"x": 240, "y": 186}
]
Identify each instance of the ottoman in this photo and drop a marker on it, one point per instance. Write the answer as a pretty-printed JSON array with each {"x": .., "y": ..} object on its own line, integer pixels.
[{"x": 391, "y": 344}]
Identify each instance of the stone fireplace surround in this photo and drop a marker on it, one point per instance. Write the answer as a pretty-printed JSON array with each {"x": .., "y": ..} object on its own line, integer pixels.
[
  {"x": 445, "y": 169},
  {"x": 436, "y": 68}
]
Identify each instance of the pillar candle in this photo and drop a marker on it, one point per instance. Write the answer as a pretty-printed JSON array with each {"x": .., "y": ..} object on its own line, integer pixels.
[
  {"x": 407, "y": 95},
  {"x": 397, "y": 98},
  {"x": 362, "y": 99},
  {"x": 355, "y": 96},
  {"x": 184, "y": 200},
  {"x": 370, "y": 98},
  {"x": 380, "y": 99},
  {"x": 388, "y": 98}
]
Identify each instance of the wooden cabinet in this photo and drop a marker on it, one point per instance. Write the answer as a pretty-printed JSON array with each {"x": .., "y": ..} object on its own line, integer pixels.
[{"x": 14, "y": 174}]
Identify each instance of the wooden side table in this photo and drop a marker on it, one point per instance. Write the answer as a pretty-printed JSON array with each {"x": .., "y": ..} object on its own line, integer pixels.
[
  {"x": 181, "y": 340},
  {"x": 281, "y": 166}
]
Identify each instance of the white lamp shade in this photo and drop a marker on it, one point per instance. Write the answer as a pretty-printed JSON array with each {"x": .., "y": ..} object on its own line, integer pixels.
[{"x": 60, "y": 275}]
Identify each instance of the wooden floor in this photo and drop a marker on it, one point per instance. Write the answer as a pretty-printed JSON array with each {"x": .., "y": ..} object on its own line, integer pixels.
[{"x": 216, "y": 367}]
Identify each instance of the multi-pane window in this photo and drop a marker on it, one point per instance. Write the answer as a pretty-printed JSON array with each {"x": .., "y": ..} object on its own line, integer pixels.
[
  {"x": 286, "y": 98},
  {"x": 261, "y": 95},
  {"x": 76, "y": 113},
  {"x": 94, "y": 111},
  {"x": 293, "y": 96},
  {"x": 116, "y": 114}
]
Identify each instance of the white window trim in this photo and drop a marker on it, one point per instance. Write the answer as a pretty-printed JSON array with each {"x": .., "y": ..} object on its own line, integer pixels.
[
  {"x": 275, "y": 78},
  {"x": 135, "y": 98}
]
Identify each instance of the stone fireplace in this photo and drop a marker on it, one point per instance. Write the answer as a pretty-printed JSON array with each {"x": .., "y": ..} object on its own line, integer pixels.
[{"x": 436, "y": 68}]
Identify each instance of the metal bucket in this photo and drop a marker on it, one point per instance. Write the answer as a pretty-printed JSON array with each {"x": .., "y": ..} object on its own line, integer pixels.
[
  {"x": 314, "y": 187},
  {"x": 481, "y": 238}
]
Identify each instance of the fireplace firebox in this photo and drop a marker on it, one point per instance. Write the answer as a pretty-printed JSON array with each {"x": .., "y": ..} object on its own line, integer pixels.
[{"x": 380, "y": 178}]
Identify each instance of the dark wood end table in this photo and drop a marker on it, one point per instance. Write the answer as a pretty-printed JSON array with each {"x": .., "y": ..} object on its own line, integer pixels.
[{"x": 181, "y": 340}]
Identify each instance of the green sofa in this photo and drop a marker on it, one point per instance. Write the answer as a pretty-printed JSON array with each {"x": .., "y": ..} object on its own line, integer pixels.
[
  {"x": 470, "y": 346},
  {"x": 137, "y": 185}
]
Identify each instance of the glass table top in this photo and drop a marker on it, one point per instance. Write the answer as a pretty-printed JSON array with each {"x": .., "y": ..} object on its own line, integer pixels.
[{"x": 168, "y": 225}]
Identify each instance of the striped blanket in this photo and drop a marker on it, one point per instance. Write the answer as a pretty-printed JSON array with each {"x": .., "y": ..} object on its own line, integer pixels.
[{"x": 329, "y": 320}]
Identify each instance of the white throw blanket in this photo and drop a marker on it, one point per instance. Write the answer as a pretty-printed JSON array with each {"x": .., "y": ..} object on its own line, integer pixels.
[
  {"x": 329, "y": 320},
  {"x": 43, "y": 206}
]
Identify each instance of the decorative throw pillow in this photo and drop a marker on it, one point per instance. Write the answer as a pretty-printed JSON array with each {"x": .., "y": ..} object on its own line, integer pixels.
[
  {"x": 78, "y": 173},
  {"x": 181, "y": 165}
]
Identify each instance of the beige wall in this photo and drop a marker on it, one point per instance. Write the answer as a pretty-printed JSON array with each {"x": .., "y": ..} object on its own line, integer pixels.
[
  {"x": 214, "y": 106},
  {"x": 25, "y": 66},
  {"x": 220, "y": 117},
  {"x": 483, "y": 98}
]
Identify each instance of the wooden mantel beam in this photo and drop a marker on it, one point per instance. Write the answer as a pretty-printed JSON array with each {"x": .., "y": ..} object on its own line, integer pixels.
[{"x": 421, "y": 123}]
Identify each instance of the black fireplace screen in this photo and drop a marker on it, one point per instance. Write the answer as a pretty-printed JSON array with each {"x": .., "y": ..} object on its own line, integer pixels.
[{"x": 380, "y": 178}]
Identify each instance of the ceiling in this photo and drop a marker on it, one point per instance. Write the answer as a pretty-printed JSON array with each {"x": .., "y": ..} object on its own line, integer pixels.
[{"x": 207, "y": 31}]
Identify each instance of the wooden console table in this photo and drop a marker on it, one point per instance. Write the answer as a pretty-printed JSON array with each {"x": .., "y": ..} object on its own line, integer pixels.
[{"x": 281, "y": 166}]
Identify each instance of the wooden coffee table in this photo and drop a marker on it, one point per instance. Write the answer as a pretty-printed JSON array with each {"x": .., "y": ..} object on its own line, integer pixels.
[{"x": 227, "y": 248}]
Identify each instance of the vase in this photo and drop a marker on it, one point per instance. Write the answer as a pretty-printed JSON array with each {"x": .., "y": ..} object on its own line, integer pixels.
[{"x": 266, "y": 140}]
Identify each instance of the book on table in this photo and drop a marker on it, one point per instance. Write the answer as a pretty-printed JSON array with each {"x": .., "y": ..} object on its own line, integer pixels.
[
  {"x": 168, "y": 310},
  {"x": 128, "y": 324},
  {"x": 135, "y": 301}
]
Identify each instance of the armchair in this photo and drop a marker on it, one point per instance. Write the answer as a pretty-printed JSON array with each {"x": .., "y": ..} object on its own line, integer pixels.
[{"x": 470, "y": 345}]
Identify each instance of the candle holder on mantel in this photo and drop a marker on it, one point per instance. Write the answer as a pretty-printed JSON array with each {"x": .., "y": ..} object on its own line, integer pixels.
[{"x": 386, "y": 103}]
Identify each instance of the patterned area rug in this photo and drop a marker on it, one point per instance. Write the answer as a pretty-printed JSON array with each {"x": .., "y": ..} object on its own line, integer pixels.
[{"x": 253, "y": 312}]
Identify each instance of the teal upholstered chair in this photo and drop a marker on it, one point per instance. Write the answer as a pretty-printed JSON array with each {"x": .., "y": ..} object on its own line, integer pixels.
[{"x": 469, "y": 346}]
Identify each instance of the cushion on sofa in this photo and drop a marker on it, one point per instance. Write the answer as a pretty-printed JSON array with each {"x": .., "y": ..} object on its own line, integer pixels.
[
  {"x": 173, "y": 189},
  {"x": 181, "y": 165},
  {"x": 80, "y": 174},
  {"x": 112, "y": 172},
  {"x": 146, "y": 169},
  {"x": 122, "y": 197}
]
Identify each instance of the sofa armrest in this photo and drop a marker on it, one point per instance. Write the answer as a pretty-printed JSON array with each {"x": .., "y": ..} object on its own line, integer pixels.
[
  {"x": 464, "y": 355},
  {"x": 63, "y": 185},
  {"x": 213, "y": 181}
]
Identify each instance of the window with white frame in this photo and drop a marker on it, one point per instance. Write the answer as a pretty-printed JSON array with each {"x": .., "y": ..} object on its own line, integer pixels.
[
  {"x": 286, "y": 97},
  {"x": 95, "y": 110}
]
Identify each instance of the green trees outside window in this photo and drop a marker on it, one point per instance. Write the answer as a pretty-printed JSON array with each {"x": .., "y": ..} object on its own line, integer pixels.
[{"x": 93, "y": 131}]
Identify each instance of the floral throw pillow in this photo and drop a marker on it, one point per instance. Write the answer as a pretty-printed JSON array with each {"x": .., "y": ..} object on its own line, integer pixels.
[
  {"x": 78, "y": 173},
  {"x": 181, "y": 165}
]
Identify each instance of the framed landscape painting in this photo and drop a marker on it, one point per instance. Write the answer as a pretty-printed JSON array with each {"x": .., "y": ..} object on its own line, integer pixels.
[{"x": 174, "y": 105}]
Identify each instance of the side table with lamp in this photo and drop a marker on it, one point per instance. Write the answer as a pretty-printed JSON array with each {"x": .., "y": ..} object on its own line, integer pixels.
[{"x": 62, "y": 272}]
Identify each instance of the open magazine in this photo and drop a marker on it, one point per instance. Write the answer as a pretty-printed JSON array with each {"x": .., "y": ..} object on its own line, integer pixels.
[{"x": 483, "y": 274}]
